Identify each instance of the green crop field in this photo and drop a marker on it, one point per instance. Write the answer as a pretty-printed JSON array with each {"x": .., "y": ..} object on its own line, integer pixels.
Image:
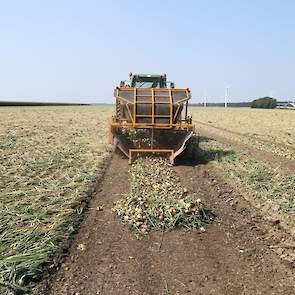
[{"x": 50, "y": 157}]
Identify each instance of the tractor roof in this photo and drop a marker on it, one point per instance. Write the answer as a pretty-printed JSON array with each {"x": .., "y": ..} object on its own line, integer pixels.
[{"x": 149, "y": 75}]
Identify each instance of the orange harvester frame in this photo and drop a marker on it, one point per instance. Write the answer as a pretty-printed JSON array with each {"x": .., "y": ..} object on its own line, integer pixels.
[{"x": 152, "y": 109}]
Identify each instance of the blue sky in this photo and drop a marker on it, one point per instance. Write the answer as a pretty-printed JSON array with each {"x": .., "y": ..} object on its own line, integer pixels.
[{"x": 79, "y": 50}]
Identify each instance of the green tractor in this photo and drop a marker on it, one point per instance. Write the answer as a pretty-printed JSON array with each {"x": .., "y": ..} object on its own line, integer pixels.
[{"x": 147, "y": 81}]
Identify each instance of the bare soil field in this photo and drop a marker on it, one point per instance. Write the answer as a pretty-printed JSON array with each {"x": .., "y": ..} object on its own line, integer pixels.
[{"x": 233, "y": 256}]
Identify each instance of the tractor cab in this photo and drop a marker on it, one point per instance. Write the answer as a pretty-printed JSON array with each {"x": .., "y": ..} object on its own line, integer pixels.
[{"x": 147, "y": 81}]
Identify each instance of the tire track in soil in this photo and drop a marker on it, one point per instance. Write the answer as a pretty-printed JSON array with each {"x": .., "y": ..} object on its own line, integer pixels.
[
  {"x": 273, "y": 160},
  {"x": 247, "y": 135},
  {"x": 113, "y": 259},
  {"x": 177, "y": 262}
]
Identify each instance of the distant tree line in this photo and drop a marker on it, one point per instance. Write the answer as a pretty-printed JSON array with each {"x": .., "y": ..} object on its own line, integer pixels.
[
  {"x": 264, "y": 103},
  {"x": 28, "y": 103}
]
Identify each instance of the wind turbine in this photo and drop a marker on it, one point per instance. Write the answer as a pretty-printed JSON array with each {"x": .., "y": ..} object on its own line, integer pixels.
[
  {"x": 205, "y": 98},
  {"x": 226, "y": 96}
]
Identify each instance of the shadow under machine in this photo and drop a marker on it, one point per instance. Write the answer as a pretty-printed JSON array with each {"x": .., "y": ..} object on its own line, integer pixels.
[{"x": 151, "y": 116}]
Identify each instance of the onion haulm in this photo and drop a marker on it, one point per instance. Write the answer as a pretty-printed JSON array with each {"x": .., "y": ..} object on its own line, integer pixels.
[{"x": 157, "y": 200}]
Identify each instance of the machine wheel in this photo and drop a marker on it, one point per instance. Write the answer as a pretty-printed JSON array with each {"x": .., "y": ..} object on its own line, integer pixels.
[{"x": 192, "y": 149}]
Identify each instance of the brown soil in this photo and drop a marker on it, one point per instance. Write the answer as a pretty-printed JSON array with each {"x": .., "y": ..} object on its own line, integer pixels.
[
  {"x": 105, "y": 258},
  {"x": 272, "y": 159}
]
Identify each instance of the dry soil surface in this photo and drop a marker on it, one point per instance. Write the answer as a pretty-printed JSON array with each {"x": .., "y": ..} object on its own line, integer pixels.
[
  {"x": 273, "y": 160},
  {"x": 106, "y": 258}
]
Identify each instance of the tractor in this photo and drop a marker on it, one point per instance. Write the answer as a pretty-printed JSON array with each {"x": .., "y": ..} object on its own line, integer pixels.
[{"x": 151, "y": 116}]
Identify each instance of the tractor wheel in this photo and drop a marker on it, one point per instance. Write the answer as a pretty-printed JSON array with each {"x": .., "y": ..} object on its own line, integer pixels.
[{"x": 192, "y": 149}]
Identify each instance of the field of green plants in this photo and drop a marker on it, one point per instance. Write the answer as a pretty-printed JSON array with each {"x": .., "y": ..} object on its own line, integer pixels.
[
  {"x": 267, "y": 130},
  {"x": 50, "y": 157}
]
